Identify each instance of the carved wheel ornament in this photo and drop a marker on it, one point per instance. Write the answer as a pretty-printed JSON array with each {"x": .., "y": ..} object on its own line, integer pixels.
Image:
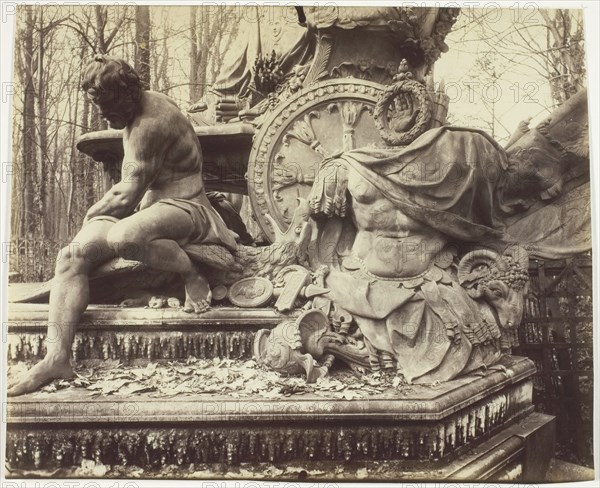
[
  {"x": 317, "y": 122},
  {"x": 405, "y": 92}
]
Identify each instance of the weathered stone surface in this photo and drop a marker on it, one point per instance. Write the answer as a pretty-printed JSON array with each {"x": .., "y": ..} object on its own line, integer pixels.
[
  {"x": 421, "y": 424},
  {"x": 34, "y": 317},
  {"x": 563, "y": 471},
  {"x": 225, "y": 150},
  {"x": 142, "y": 334}
]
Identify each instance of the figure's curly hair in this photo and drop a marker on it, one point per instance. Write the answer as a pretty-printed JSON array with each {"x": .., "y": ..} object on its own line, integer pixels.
[{"x": 108, "y": 78}]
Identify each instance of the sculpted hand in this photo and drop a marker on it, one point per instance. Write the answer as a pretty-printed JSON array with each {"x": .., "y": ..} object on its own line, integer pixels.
[{"x": 404, "y": 115}]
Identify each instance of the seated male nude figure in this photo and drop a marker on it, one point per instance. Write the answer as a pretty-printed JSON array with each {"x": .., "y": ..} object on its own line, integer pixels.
[{"x": 159, "y": 206}]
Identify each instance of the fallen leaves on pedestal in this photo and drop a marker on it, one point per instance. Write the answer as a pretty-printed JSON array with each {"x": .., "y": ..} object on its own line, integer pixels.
[{"x": 233, "y": 378}]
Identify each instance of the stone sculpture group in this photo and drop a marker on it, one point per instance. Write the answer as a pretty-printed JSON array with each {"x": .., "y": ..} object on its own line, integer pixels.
[{"x": 408, "y": 254}]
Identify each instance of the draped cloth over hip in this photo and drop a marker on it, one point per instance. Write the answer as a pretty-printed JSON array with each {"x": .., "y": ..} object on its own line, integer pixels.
[
  {"x": 208, "y": 226},
  {"x": 453, "y": 180},
  {"x": 433, "y": 330}
]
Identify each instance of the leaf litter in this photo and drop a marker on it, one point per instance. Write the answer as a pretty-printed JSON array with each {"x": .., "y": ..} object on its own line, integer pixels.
[{"x": 234, "y": 378}]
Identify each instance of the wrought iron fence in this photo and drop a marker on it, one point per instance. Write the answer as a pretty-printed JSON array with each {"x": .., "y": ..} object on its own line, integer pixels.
[
  {"x": 32, "y": 259},
  {"x": 557, "y": 334}
]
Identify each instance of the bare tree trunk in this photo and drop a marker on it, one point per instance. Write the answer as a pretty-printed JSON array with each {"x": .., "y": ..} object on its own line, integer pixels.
[
  {"x": 42, "y": 123},
  {"x": 28, "y": 155},
  {"x": 69, "y": 204},
  {"x": 97, "y": 122},
  {"x": 78, "y": 178},
  {"x": 142, "y": 38},
  {"x": 205, "y": 42},
  {"x": 85, "y": 166},
  {"x": 204, "y": 58},
  {"x": 16, "y": 184},
  {"x": 101, "y": 18},
  {"x": 75, "y": 158},
  {"x": 195, "y": 54},
  {"x": 566, "y": 52},
  {"x": 221, "y": 50},
  {"x": 163, "y": 72},
  {"x": 160, "y": 61}
]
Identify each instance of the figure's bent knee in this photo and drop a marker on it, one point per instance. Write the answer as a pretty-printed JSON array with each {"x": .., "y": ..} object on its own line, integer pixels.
[
  {"x": 70, "y": 259},
  {"x": 126, "y": 242}
]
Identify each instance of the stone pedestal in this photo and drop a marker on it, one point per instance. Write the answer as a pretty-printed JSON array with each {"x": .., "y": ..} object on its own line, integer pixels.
[{"x": 480, "y": 426}]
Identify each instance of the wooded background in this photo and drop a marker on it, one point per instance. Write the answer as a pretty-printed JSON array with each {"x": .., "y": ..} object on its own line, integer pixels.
[
  {"x": 179, "y": 51},
  {"x": 54, "y": 184},
  {"x": 534, "y": 58}
]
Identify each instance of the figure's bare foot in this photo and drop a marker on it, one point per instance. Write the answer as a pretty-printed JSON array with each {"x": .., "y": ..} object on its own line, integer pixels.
[
  {"x": 197, "y": 294},
  {"x": 42, "y": 373}
]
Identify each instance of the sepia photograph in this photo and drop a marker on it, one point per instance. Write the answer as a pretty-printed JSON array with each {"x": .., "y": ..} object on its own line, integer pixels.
[{"x": 298, "y": 243}]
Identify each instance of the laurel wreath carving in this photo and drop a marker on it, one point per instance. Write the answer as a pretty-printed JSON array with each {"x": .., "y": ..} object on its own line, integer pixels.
[{"x": 419, "y": 94}]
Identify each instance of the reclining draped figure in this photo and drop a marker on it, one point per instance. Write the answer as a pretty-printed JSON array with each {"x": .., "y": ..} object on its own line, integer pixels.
[{"x": 427, "y": 245}]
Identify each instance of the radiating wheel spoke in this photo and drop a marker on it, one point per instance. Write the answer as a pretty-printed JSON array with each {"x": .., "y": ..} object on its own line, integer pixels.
[{"x": 319, "y": 122}]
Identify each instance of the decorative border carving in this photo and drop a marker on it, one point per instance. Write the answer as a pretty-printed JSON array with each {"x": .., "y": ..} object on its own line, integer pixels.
[
  {"x": 279, "y": 121},
  {"x": 278, "y": 440}
]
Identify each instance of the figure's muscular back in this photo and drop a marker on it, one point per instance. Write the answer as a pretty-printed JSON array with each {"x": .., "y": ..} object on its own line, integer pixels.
[
  {"x": 161, "y": 133},
  {"x": 390, "y": 243}
]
